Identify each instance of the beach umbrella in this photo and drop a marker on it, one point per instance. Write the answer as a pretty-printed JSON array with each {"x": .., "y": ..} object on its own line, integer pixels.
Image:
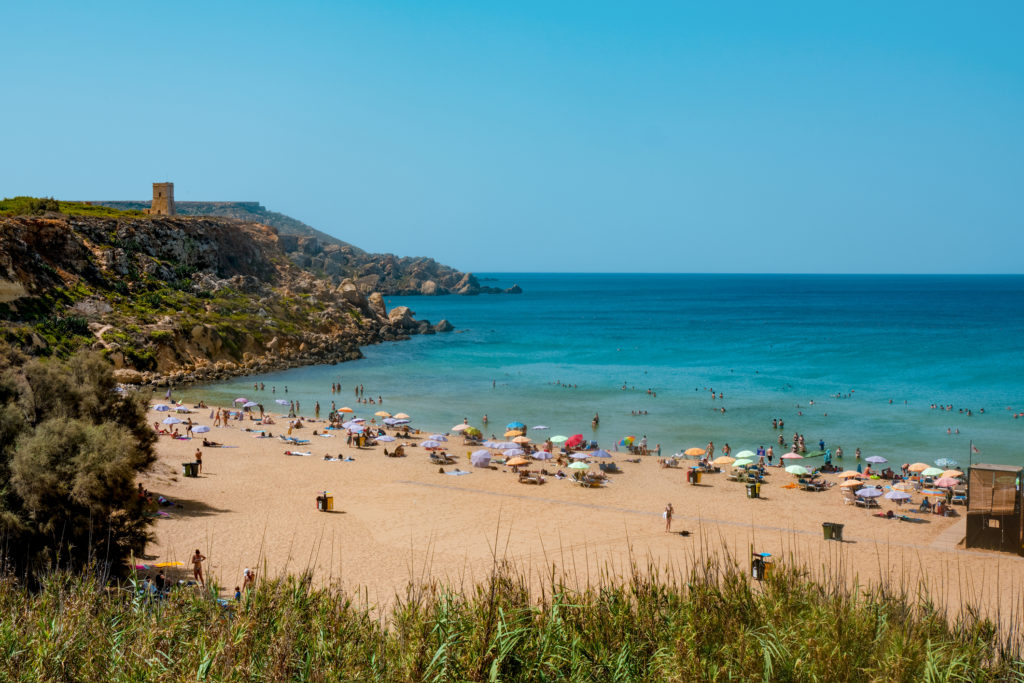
[
  {"x": 944, "y": 482},
  {"x": 382, "y": 413},
  {"x": 945, "y": 463},
  {"x": 181, "y": 409},
  {"x": 282, "y": 402},
  {"x": 345, "y": 409},
  {"x": 521, "y": 439},
  {"x": 746, "y": 454},
  {"x": 402, "y": 416},
  {"x": 461, "y": 427},
  {"x": 472, "y": 431},
  {"x": 792, "y": 456},
  {"x": 438, "y": 437},
  {"x": 694, "y": 451},
  {"x": 869, "y": 492},
  {"x": 513, "y": 451},
  {"x": 160, "y": 407},
  {"x": 579, "y": 466},
  {"x": 903, "y": 486},
  {"x": 578, "y": 456},
  {"x": 558, "y": 438},
  {"x": 356, "y": 428},
  {"x": 627, "y": 441},
  {"x": 897, "y": 495},
  {"x": 171, "y": 420},
  {"x": 850, "y": 483},
  {"x": 431, "y": 444},
  {"x": 515, "y": 425},
  {"x": 932, "y": 472},
  {"x": 850, "y": 473},
  {"x": 600, "y": 453},
  {"x": 952, "y": 473},
  {"x": 515, "y": 462},
  {"x": 574, "y": 440},
  {"x": 797, "y": 469},
  {"x": 724, "y": 460},
  {"x": 745, "y": 462},
  {"x": 918, "y": 467},
  {"x": 933, "y": 492},
  {"x": 514, "y": 432},
  {"x": 506, "y": 445},
  {"x": 385, "y": 439},
  {"x": 351, "y": 424},
  {"x": 490, "y": 444},
  {"x": 241, "y": 399},
  {"x": 200, "y": 429},
  {"x": 357, "y": 420},
  {"x": 542, "y": 455},
  {"x": 875, "y": 459},
  {"x": 250, "y": 404},
  {"x": 539, "y": 427},
  {"x": 480, "y": 458}
]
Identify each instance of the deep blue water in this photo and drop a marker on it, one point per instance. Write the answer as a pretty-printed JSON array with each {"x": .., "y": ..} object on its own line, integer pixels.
[{"x": 771, "y": 343}]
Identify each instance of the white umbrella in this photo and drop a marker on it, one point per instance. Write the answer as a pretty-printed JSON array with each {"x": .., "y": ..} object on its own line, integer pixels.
[
  {"x": 200, "y": 429},
  {"x": 459, "y": 428},
  {"x": 182, "y": 409},
  {"x": 250, "y": 404},
  {"x": 438, "y": 437},
  {"x": 542, "y": 455},
  {"x": 386, "y": 439},
  {"x": 171, "y": 420},
  {"x": 539, "y": 427},
  {"x": 514, "y": 451}
]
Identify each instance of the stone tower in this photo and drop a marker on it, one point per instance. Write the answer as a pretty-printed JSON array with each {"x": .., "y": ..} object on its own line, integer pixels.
[{"x": 163, "y": 200}]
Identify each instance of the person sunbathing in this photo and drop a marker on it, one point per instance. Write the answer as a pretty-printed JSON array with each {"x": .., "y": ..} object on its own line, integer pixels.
[{"x": 211, "y": 444}]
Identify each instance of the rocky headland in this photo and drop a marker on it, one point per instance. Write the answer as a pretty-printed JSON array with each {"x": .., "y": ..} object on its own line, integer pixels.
[{"x": 184, "y": 299}]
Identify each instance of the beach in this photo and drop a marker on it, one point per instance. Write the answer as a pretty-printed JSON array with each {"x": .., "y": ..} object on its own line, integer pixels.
[{"x": 400, "y": 520}]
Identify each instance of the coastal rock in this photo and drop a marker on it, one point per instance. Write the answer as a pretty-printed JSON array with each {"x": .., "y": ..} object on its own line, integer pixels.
[
  {"x": 514, "y": 289},
  {"x": 402, "y": 318},
  {"x": 428, "y": 288},
  {"x": 376, "y": 303},
  {"x": 467, "y": 285},
  {"x": 444, "y": 326},
  {"x": 128, "y": 376}
]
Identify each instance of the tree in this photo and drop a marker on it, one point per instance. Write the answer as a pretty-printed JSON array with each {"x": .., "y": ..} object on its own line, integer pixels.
[{"x": 71, "y": 446}]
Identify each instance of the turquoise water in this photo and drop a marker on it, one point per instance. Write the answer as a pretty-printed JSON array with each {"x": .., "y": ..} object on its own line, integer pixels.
[{"x": 772, "y": 344}]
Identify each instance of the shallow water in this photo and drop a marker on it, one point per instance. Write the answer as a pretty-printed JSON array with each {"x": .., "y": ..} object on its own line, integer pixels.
[{"x": 772, "y": 344}]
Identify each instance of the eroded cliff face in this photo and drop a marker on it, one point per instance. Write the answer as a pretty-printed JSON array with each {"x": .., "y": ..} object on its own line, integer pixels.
[{"x": 180, "y": 298}]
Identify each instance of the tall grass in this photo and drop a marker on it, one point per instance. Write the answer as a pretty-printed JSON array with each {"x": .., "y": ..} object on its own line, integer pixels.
[{"x": 648, "y": 625}]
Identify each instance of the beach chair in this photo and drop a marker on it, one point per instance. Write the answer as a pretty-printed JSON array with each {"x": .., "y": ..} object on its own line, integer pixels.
[
  {"x": 849, "y": 497},
  {"x": 871, "y": 503},
  {"x": 959, "y": 497},
  {"x": 609, "y": 467}
]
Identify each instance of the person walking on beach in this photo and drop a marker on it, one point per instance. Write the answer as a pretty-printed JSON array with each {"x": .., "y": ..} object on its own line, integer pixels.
[
  {"x": 199, "y": 461},
  {"x": 197, "y": 567},
  {"x": 667, "y": 515}
]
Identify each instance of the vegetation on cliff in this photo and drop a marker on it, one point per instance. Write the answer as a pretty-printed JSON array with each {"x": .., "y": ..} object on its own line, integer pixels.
[
  {"x": 715, "y": 625},
  {"x": 199, "y": 297},
  {"x": 37, "y": 206},
  {"x": 70, "y": 448}
]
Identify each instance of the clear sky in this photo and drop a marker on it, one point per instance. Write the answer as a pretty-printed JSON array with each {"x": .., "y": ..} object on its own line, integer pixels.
[{"x": 546, "y": 136}]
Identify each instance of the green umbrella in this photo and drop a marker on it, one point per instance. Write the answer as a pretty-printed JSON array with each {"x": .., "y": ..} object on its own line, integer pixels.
[
  {"x": 797, "y": 469},
  {"x": 743, "y": 463},
  {"x": 579, "y": 466},
  {"x": 558, "y": 439},
  {"x": 932, "y": 472},
  {"x": 745, "y": 454}
]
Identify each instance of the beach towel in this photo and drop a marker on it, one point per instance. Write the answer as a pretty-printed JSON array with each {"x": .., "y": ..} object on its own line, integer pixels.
[
  {"x": 457, "y": 473},
  {"x": 307, "y": 453},
  {"x": 327, "y": 436}
]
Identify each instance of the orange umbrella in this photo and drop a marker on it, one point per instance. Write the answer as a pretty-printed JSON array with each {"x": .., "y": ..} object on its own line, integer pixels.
[
  {"x": 382, "y": 413},
  {"x": 521, "y": 439},
  {"x": 919, "y": 467},
  {"x": 401, "y": 416},
  {"x": 694, "y": 451},
  {"x": 850, "y": 483},
  {"x": 516, "y": 461},
  {"x": 345, "y": 409},
  {"x": 851, "y": 473},
  {"x": 952, "y": 473},
  {"x": 514, "y": 432}
]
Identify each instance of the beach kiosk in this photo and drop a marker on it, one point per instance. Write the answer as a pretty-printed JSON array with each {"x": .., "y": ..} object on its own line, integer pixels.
[
  {"x": 325, "y": 502},
  {"x": 994, "y": 512}
]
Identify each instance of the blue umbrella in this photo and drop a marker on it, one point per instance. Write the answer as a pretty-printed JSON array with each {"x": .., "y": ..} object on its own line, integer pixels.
[
  {"x": 579, "y": 456},
  {"x": 356, "y": 428},
  {"x": 600, "y": 453},
  {"x": 200, "y": 429},
  {"x": 351, "y": 424},
  {"x": 514, "y": 425},
  {"x": 161, "y": 407},
  {"x": 946, "y": 463}
]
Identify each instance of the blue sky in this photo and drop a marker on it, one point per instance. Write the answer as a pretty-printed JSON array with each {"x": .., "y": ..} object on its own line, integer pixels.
[{"x": 591, "y": 136}]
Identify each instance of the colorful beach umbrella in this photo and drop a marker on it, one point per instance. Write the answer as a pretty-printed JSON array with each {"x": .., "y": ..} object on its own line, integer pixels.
[
  {"x": 515, "y": 425},
  {"x": 952, "y": 473},
  {"x": 574, "y": 440},
  {"x": 850, "y": 483},
  {"x": 345, "y": 409},
  {"x": 241, "y": 399},
  {"x": 600, "y": 453},
  {"x": 460, "y": 428},
  {"x": 382, "y": 413},
  {"x": 402, "y": 416},
  {"x": 850, "y": 473},
  {"x": 521, "y": 439},
  {"x": 933, "y": 492},
  {"x": 514, "y": 432},
  {"x": 627, "y": 441},
  {"x": 472, "y": 431},
  {"x": 746, "y": 454},
  {"x": 515, "y": 462}
]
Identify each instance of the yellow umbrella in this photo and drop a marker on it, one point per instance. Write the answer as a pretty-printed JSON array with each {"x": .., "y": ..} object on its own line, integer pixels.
[
  {"x": 345, "y": 409},
  {"x": 724, "y": 460},
  {"x": 850, "y": 483},
  {"x": 401, "y": 416},
  {"x": 919, "y": 467},
  {"x": 514, "y": 432},
  {"x": 169, "y": 564},
  {"x": 694, "y": 451},
  {"x": 521, "y": 439},
  {"x": 952, "y": 473},
  {"x": 516, "y": 461},
  {"x": 382, "y": 413},
  {"x": 850, "y": 473}
]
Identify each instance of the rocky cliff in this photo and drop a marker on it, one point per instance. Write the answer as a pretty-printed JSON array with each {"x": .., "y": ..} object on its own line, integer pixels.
[
  {"x": 180, "y": 298},
  {"x": 333, "y": 258}
]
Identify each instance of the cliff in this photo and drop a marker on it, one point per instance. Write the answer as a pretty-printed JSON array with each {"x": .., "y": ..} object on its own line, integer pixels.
[
  {"x": 180, "y": 298},
  {"x": 333, "y": 258}
]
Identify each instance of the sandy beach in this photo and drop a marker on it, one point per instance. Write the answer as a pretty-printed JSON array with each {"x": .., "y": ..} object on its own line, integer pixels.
[{"x": 399, "y": 520}]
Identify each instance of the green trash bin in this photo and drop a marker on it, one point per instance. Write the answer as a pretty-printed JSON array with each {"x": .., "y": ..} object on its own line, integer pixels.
[
  {"x": 826, "y": 528},
  {"x": 837, "y": 532},
  {"x": 190, "y": 469}
]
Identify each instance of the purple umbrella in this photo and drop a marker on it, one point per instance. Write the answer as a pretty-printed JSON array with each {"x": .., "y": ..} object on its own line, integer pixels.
[
  {"x": 869, "y": 492},
  {"x": 875, "y": 459},
  {"x": 480, "y": 458},
  {"x": 600, "y": 453},
  {"x": 897, "y": 495}
]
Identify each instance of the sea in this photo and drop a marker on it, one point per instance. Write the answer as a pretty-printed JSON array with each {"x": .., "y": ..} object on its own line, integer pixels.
[{"x": 909, "y": 368}]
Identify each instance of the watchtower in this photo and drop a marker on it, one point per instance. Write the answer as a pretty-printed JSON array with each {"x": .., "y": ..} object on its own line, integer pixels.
[{"x": 163, "y": 200}]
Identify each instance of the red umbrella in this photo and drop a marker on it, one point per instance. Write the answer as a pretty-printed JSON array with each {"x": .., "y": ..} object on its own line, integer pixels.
[{"x": 574, "y": 440}]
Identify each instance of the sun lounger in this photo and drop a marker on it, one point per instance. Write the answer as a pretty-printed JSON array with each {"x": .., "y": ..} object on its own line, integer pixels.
[
  {"x": 609, "y": 467},
  {"x": 530, "y": 478}
]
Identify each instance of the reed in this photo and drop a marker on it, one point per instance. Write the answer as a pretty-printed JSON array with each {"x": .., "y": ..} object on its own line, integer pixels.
[{"x": 704, "y": 621}]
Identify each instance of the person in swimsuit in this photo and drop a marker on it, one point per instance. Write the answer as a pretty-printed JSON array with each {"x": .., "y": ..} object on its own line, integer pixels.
[{"x": 197, "y": 567}]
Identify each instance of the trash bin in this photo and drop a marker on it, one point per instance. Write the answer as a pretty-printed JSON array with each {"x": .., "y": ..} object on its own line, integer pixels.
[
  {"x": 190, "y": 469},
  {"x": 752, "y": 490},
  {"x": 325, "y": 502},
  {"x": 832, "y": 531},
  {"x": 759, "y": 565},
  {"x": 696, "y": 476}
]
